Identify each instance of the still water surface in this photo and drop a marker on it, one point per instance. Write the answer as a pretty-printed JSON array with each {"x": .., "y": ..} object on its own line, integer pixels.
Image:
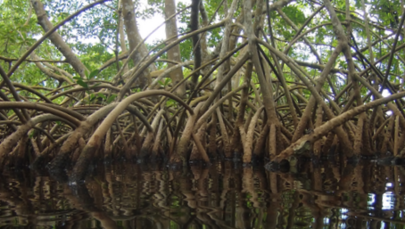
[{"x": 224, "y": 195}]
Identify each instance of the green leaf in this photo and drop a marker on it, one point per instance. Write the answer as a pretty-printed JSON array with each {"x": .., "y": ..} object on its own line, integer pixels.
[
  {"x": 93, "y": 74},
  {"x": 295, "y": 14},
  {"x": 101, "y": 95},
  {"x": 170, "y": 102},
  {"x": 111, "y": 98},
  {"x": 167, "y": 81},
  {"x": 92, "y": 97},
  {"x": 31, "y": 135},
  {"x": 83, "y": 84}
]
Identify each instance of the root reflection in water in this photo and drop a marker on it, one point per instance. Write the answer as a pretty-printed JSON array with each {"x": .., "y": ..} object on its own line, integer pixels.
[{"x": 220, "y": 196}]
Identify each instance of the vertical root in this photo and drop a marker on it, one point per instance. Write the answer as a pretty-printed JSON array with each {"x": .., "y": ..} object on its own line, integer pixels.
[
  {"x": 396, "y": 136},
  {"x": 358, "y": 140},
  {"x": 82, "y": 165},
  {"x": 318, "y": 122},
  {"x": 247, "y": 147},
  {"x": 21, "y": 150},
  {"x": 212, "y": 145},
  {"x": 181, "y": 149},
  {"x": 76, "y": 153},
  {"x": 281, "y": 144},
  {"x": 328, "y": 143},
  {"x": 108, "y": 146},
  {"x": 147, "y": 144},
  {"x": 273, "y": 142},
  {"x": 144, "y": 154},
  {"x": 35, "y": 147},
  {"x": 387, "y": 144},
  {"x": 122, "y": 138},
  {"x": 237, "y": 140},
  {"x": 201, "y": 149},
  {"x": 367, "y": 148},
  {"x": 198, "y": 152},
  {"x": 224, "y": 134},
  {"x": 155, "y": 149},
  {"x": 258, "y": 152}
]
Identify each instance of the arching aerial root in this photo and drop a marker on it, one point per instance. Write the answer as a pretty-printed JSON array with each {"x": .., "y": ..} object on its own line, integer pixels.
[{"x": 304, "y": 144}]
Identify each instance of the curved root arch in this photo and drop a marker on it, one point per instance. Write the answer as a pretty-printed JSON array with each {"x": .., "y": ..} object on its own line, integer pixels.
[{"x": 246, "y": 83}]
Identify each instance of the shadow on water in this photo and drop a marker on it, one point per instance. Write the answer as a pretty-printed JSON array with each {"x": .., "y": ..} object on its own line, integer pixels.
[{"x": 224, "y": 195}]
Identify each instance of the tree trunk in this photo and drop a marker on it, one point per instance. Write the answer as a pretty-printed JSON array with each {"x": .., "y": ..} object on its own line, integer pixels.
[
  {"x": 135, "y": 39},
  {"x": 57, "y": 40},
  {"x": 174, "y": 53}
]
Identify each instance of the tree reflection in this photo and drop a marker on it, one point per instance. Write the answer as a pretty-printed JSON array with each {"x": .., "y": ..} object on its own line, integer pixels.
[{"x": 223, "y": 195}]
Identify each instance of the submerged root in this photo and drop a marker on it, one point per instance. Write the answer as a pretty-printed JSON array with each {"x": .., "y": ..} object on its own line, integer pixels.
[{"x": 82, "y": 165}]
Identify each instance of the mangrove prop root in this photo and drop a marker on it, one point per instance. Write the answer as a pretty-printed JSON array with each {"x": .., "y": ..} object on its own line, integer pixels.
[
  {"x": 247, "y": 98},
  {"x": 331, "y": 124}
]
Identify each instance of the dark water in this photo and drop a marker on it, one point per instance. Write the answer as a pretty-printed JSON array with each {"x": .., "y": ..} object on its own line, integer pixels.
[{"x": 222, "y": 196}]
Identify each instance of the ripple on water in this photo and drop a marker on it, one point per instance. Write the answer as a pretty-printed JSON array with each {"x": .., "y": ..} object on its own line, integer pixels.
[{"x": 223, "y": 195}]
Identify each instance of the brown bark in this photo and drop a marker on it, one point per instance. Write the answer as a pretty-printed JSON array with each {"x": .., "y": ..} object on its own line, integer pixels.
[
  {"x": 312, "y": 101},
  {"x": 57, "y": 40},
  {"x": 61, "y": 160},
  {"x": 194, "y": 25},
  {"x": 195, "y": 153},
  {"x": 258, "y": 152},
  {"x": 272, "y": 142},
  {"x": 180, "y": 152},
  {"x": 225, "y": 42},
  {"x": 61, "y": 78},
  {"x": 134, "y": 39},
  {"x": 212, "y": 145},
  {"x": 156, "y": 144},
  {"x": 339, "y": 130},
  {"x": 248, "y": 146},
  {"x": 202, "y": 153},
  {"x": 123, "y": 45},
  {"x": 8, "y": 143},
  {"x": 224, "y": 134},
  {"x": 147, "y": 144},
  {"x": 343, "y": 41},
  {"x": 358, "y": 141},
  {"x": 331, "y": 124},
  {"x": 367, "y": 145},
  {"x": 174, "y": 53},
  {"x": 237, "y": 137},
  {"x": 386, "y": 145},
  {"x": 153, "y": 58},
  {"x": 396, "y": 136},
  {"x": 318, "y": 123},
  {"x": 266, "y": 87},
  {"x": 107, "y": 145},
  {"x": 22, "y": 115}
]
